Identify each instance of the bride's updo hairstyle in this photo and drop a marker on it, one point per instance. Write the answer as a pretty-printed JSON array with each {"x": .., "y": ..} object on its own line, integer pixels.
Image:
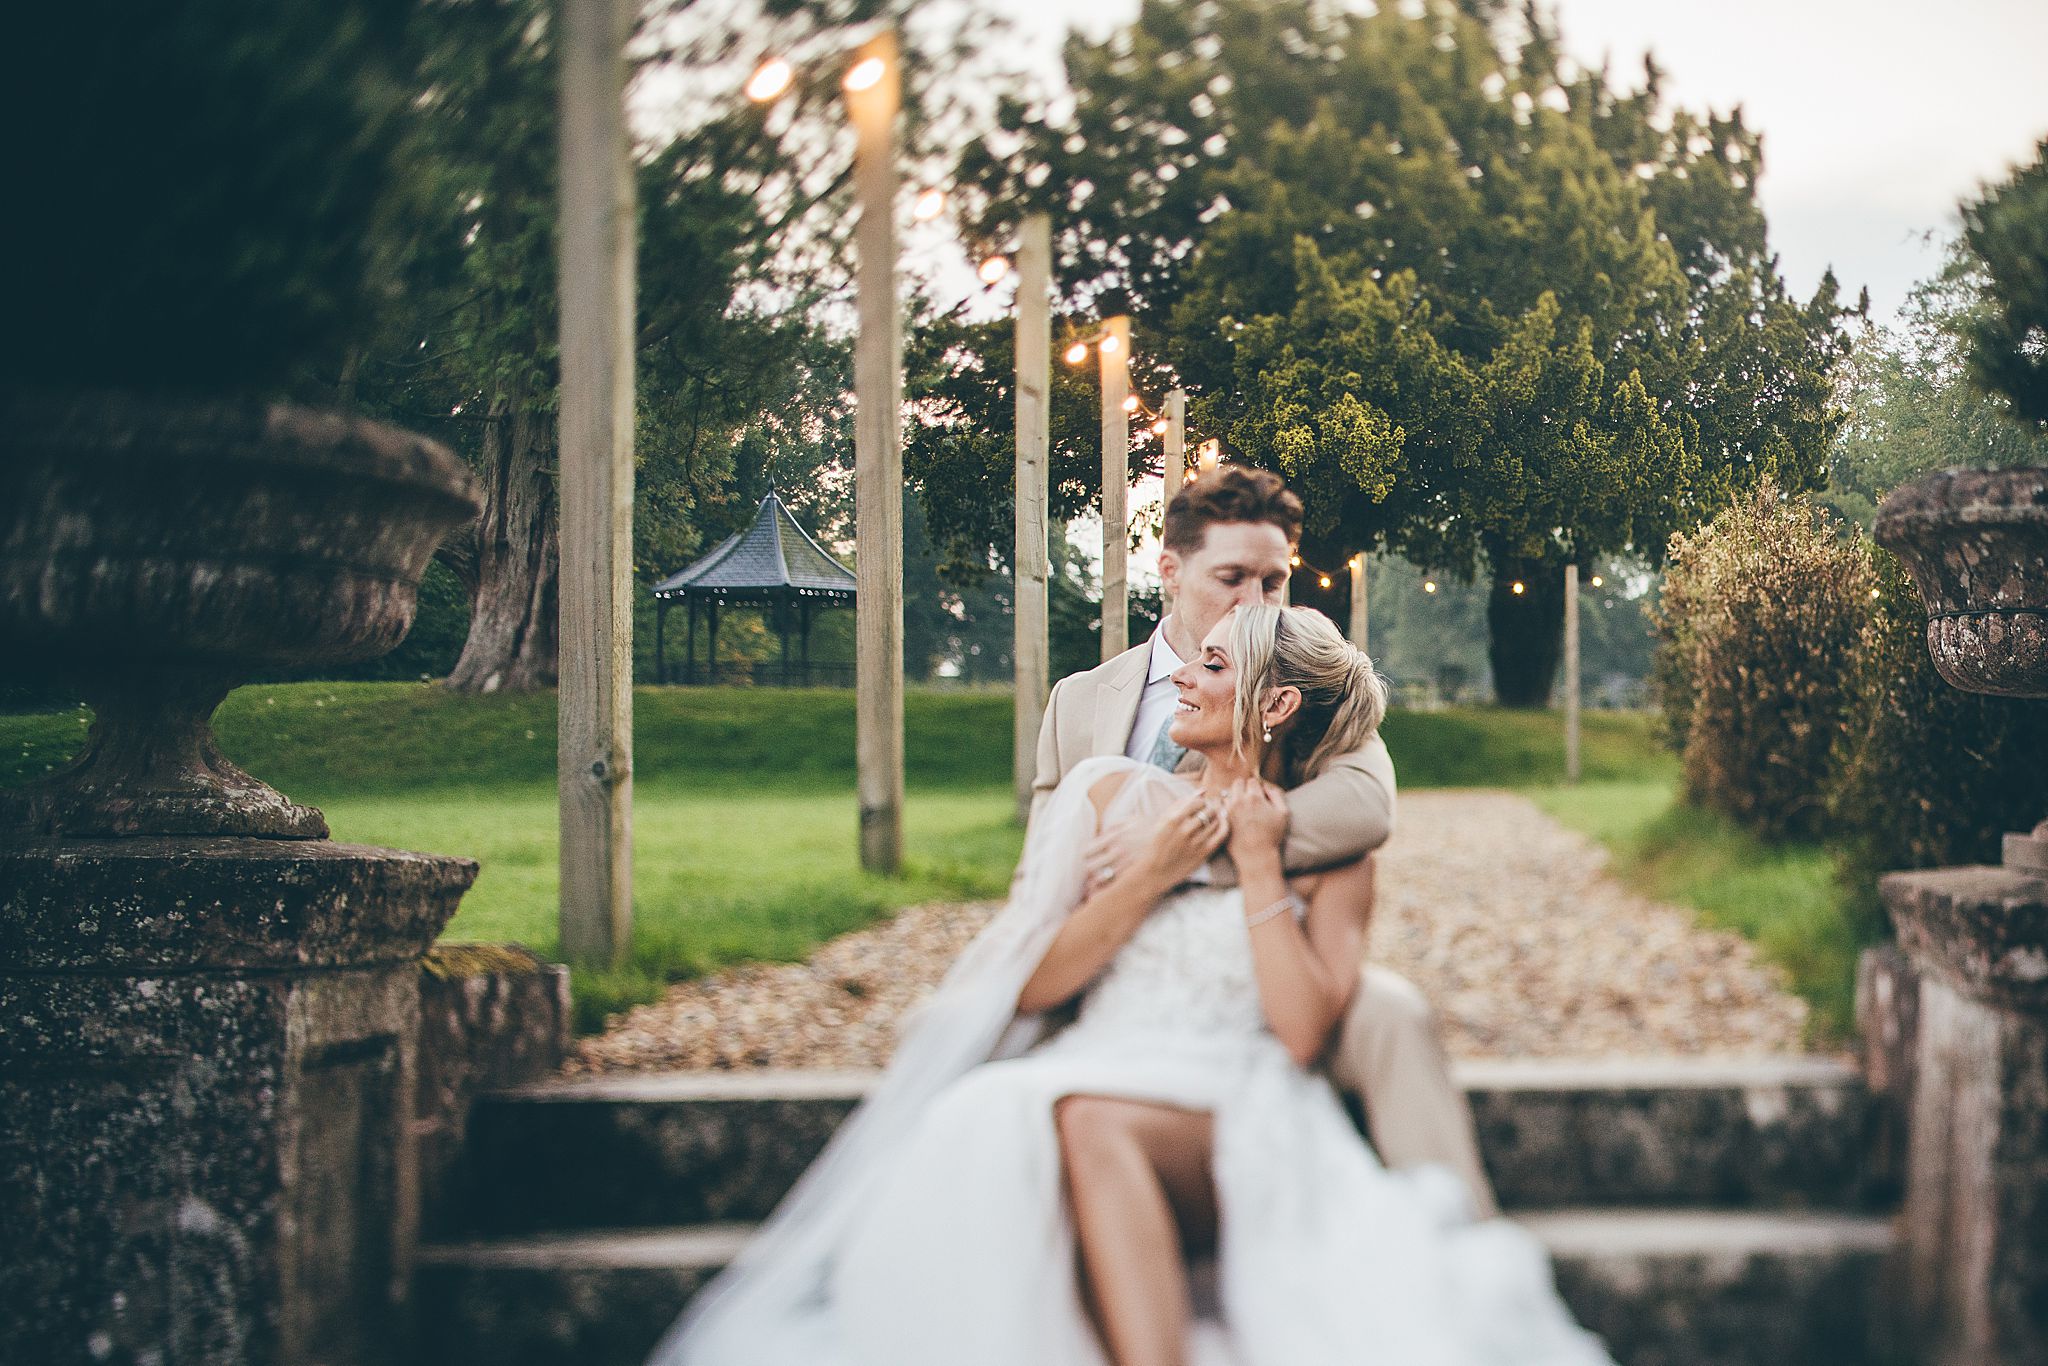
[{"x": 1342, "y": 698}]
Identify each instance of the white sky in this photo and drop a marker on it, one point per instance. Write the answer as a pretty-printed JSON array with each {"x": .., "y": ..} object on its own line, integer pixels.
[{"x": 1877, "y": 115}]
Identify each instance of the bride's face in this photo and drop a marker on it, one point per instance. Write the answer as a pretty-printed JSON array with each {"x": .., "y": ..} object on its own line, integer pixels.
[{"x": 1207, "y": 685}]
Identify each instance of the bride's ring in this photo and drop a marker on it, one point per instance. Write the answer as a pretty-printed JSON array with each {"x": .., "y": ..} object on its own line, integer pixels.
[
  {"x": 1201, "y": 815},
  {"x": 1108, "y": 873}
]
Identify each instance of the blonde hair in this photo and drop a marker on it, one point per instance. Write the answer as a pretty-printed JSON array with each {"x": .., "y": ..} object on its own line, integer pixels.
[{"x": 1342, "y": 697}]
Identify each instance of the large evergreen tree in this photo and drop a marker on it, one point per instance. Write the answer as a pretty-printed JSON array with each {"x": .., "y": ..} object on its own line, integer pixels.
[
  {"x": 2008, "y": 231},
  {"x": 1484, "y": 309}
]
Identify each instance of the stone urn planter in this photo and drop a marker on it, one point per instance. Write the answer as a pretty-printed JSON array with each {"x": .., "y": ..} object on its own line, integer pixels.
[
  {"x": 155, "y": 554},
  {"x": 1976, "y": 543},
  {"x": 1976, "y": 1221},
  {"x": 208, "y": 1068}
]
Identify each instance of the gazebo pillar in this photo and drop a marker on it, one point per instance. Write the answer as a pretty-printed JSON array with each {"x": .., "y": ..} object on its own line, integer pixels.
[
  {"x": 804, "y": 617},
  {"x": 781, "y": 610},
  {"x": 660, "y": 640}
]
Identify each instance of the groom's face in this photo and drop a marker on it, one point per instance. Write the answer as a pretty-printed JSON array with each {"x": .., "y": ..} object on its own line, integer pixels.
[{"x": 1237, "y": 564}]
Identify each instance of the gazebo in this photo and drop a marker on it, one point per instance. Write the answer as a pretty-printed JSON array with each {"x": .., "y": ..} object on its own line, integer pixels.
[{"x": 774, "y": 564}]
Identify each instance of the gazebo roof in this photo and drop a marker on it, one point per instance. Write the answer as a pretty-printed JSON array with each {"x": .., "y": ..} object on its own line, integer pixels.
[{"x": 772, "y": 559}]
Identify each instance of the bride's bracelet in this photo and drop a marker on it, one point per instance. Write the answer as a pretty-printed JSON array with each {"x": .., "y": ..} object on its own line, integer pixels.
[{"x": 1289, "y": 902}]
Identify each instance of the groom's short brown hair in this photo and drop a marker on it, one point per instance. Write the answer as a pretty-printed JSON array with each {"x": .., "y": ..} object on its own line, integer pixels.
[{"x": 1232, "y": 493}]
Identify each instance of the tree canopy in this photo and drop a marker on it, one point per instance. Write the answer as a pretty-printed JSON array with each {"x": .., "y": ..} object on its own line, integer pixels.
[
  {"x": 2008, "y": 231},
  {"x": 1483, "y": 308},
  {"x": 740, "y": 386}
]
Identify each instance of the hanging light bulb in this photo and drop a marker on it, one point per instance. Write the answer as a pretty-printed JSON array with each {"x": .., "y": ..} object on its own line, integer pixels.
[
  {"x": 1077, "y": 353},
  {"x": 1429, "y": 585},
  {"x": 1111, "y": 344},
  {"x": 1159, "y": 427},
  {"x": 994, "y": 269},
  {"x": 1326, "y": 580},
  {"x": 769, "y": 80},
  {"x": 929, "y": 205},
  {"x": 1518, "y": 587},
  {"x": 1130, "y": 403},
  {"x": 866, "y": 74},
  {"x": 1597, "y": 580},
  {"x": 1294, "y": 560}
]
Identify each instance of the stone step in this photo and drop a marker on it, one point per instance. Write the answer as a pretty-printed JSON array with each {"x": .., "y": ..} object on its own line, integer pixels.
[
  {"x": 1682, "y": 1287},
  {"x": 688, "y": 1148}
]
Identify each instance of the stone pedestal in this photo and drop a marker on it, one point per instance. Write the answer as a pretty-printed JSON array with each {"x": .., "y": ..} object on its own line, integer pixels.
[
  {"x": 492, "y": 1016},
  {"x": 207, "y": 1076},
  {"x": 1977, "y": 1162}
]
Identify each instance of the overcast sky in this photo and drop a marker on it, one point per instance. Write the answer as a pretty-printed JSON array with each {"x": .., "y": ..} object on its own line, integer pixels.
[{"x": 1877, "y": 115}]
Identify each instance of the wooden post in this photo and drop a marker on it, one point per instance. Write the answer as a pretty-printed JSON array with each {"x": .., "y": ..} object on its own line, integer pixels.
[
  {"x": 661, "y": 640},
  {"x": 1030, "y": 654},
  {"x": 1115, "y": 350},
  {"x": 1360, "y": 603},
  {"x": 878, "y": 459},
  {"x": 598, "y": 227},
  {"x": 1175, "y": 466},
  {"x": 1571, "y": 673}
]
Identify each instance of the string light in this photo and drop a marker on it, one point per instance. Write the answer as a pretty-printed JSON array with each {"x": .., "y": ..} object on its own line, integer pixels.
[
  {"x": 1077, "y": 353},
  {"x": 866, "y": 74},
  {"x": 929, "y": 205},
  {"x": 1130, "y": 403},
  {"x": 1111, "y": 344},
  {"x": 1519, "y": 588},
  {"x": 1294, "y": 560},
  {"x": 1597, "y": 580},
  {"x": 1325, "y": 580},
  {"x": 1159, "y": 427},
  {"x": 994, "y": 269},
  {"x": 769, "y": 80},
  {"x": 1429, "y": 585}
]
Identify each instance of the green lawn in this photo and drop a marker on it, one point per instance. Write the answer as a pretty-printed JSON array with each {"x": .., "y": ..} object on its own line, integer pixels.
[
  {"x": 744, "y": 818},
  {"x": 1786, "y": 898},
  {"x": 720, "y": 874}
]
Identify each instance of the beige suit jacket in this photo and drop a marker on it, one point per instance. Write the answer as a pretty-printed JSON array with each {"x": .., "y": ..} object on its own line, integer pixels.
[{"x": 1343, "y": 812}]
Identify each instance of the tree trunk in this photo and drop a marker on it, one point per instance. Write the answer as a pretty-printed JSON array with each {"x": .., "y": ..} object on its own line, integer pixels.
[
  {"x": 1525, "y": 632},
  {"x": 509, "y": 560}
]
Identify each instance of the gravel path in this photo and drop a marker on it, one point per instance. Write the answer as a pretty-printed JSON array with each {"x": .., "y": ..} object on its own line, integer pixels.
[{"x": 1508, "y": 921}]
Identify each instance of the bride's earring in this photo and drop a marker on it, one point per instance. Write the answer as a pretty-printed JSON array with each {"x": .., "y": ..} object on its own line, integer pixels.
[{"x": 1269, "y": 735}]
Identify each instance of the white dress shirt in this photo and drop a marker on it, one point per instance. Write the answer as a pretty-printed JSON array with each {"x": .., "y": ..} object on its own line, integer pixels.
[{"x": 1155, "y": 704}]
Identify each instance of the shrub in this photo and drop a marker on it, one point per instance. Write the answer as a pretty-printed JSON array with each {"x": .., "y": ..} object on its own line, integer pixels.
[
  {"x": 1763, "y": 615},
  {"x": 1927, "y": 774}
]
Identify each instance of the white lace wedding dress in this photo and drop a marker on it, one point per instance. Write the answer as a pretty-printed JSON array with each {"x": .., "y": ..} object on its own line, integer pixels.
[{"x": 936, "y": 1234}]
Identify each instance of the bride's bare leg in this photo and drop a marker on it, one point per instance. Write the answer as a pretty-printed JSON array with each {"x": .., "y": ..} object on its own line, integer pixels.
[{"x": 1141, "y": 1185}]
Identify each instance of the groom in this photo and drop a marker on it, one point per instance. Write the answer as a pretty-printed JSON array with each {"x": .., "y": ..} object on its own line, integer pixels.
[{"x": 1229, "y": 539}]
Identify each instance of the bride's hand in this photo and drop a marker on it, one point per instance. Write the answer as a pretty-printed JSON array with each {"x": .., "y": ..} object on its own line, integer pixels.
[
  {"x": 1190, "y": 833},
  {"x": 1258, "y": 821}
]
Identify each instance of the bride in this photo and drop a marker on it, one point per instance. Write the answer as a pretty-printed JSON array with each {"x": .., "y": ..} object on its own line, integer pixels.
[{"x": 1100, "y": 1143}]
